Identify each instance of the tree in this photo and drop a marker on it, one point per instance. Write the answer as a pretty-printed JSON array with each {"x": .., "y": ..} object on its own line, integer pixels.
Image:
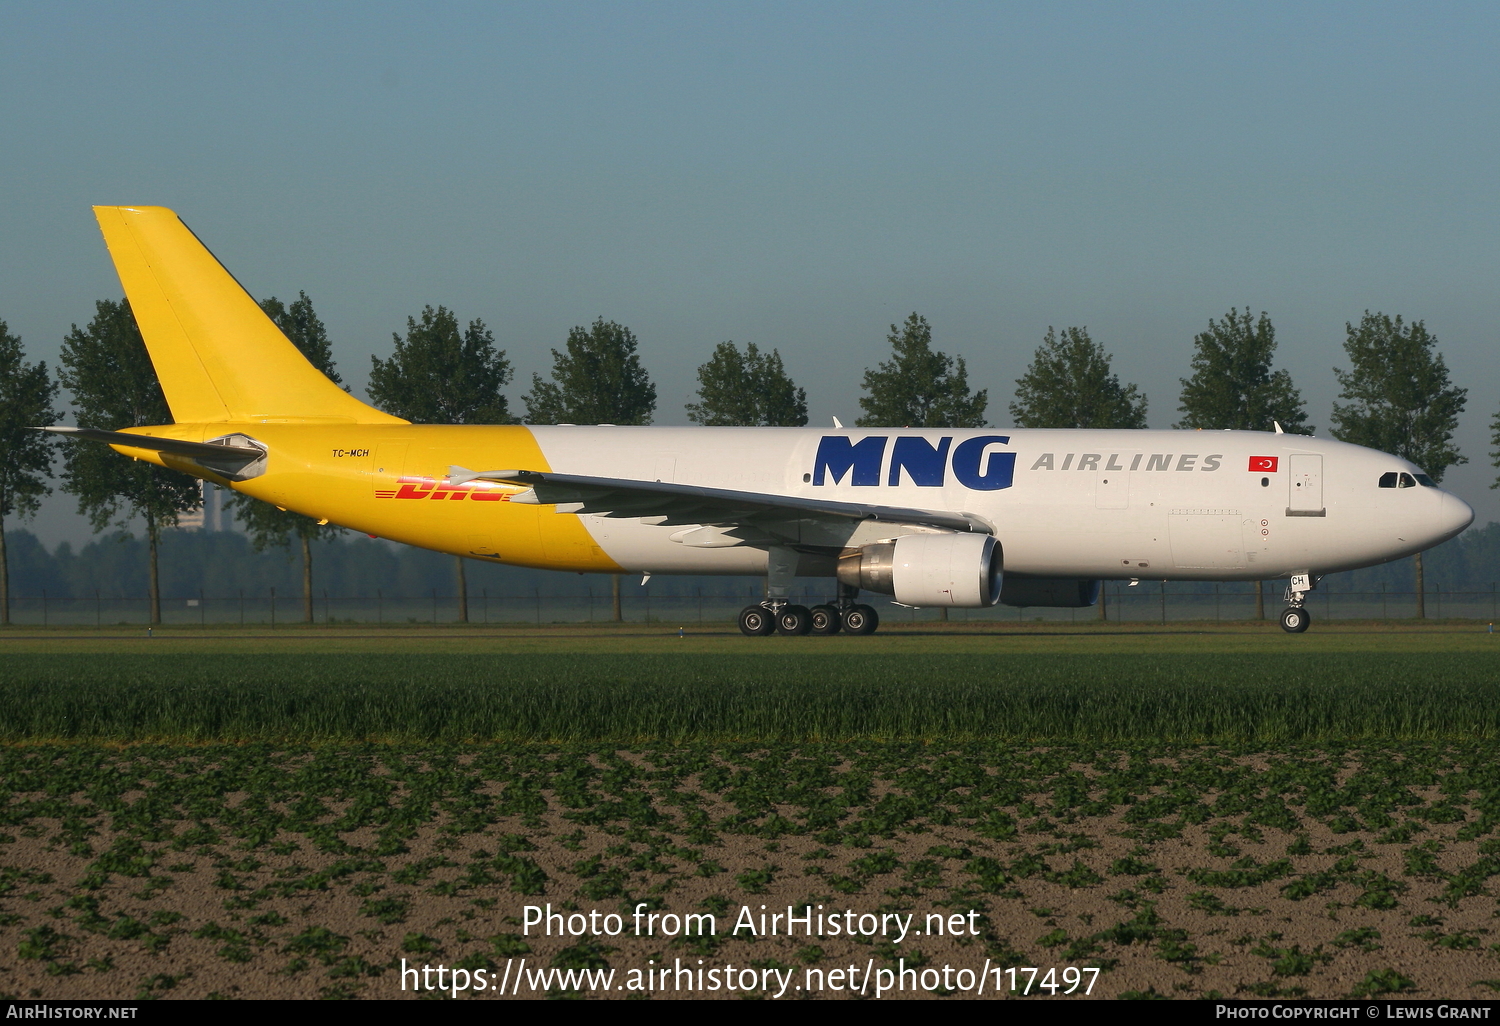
[
  {"x": 747, "y": 390},
  {"x": 27, "y": 393},
  {"x": 1495, "y": 441},
  {"x": 267, "y": 525},
  {"x": 1069, "y": 385},
  {"x": 599, "y": 380},
  {"x": 1233, "y": 385},
  {"x": 1398, "y": 399},
  {"x": 108, "y": 371},
  {"x": 918, "y": 387},
  {"x": 438, "y": 376}
]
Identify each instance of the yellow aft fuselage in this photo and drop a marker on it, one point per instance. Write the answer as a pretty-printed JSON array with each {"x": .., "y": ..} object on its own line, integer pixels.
[{"x": 389, "y": 481}]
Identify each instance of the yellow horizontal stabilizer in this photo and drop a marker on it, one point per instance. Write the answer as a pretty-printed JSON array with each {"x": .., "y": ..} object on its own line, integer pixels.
[{"x": 218, "y": 356}]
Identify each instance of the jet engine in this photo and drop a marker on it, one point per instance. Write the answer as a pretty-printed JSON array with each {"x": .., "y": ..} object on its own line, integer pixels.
[{"x": 929, "y": 569}]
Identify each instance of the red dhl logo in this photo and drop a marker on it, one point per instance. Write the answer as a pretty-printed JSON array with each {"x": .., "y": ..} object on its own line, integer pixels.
[{"x": 432, "y": 488}]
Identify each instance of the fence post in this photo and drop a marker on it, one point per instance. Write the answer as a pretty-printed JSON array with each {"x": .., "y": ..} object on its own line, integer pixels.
[
  {"x": 1163, "y": 601},
  {"x": 326, "y": 617}
]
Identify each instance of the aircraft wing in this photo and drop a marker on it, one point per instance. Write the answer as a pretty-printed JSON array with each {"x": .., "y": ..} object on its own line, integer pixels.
[{"x": 683, "y": 504}]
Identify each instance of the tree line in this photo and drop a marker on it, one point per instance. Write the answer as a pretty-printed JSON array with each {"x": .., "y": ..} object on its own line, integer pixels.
[{"x": 1396, "y": 396}]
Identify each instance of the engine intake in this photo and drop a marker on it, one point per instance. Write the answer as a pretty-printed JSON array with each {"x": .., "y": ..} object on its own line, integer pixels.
[{"x": 929, "y": 569}]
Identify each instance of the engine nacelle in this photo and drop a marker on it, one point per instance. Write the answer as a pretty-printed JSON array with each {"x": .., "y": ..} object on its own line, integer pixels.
[
  {"x": 929, "y": 569},
  {"x": 1064, "y": 592}
]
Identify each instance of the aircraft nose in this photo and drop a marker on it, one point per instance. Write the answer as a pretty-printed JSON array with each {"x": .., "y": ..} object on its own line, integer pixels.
[{"x": 1455, "y": 515}]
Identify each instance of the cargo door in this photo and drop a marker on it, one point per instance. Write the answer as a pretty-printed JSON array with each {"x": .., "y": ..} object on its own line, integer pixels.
[
  {"x": 390, "y": 459},
  {"x": 1305, "y": 483}
]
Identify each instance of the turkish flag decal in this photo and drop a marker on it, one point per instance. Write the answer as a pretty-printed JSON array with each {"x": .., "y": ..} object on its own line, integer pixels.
[{"x": 1263, "y": 464}]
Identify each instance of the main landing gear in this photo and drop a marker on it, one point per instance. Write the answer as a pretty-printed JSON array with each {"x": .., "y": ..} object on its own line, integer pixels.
[
  {"x": 777, "y": 616},
  {"x": 760, "y": 620},
  {"x": 1295, "y": 619}
]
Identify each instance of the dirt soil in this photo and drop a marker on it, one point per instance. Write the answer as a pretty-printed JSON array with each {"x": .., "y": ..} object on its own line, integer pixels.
[{"x": 1182, "y": 873}]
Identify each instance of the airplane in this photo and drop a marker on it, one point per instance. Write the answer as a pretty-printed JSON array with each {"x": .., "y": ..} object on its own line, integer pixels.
[{"x": 933, "y": 517}]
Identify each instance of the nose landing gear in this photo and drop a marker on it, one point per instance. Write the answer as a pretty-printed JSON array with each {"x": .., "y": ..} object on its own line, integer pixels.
[{"x": 1295, "y": 619}]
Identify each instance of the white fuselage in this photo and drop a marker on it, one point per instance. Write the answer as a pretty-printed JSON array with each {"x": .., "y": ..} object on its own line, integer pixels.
[{"x": 1078, "y": 503}]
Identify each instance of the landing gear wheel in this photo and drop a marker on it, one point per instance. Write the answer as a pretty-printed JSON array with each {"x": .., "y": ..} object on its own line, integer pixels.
[
  {"x": 794, "y": 620},
  {"x": 1295, "y": 620},
  {"x": 825, "y": 620},
  {"x": 756, "y": 621},
  {"x": 861, "y": 619}
]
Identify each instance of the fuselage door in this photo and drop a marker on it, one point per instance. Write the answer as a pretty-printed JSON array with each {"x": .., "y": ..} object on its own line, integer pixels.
[
  {"x": 390, "y": 459},
  {"x": 1305, "y": 481}
]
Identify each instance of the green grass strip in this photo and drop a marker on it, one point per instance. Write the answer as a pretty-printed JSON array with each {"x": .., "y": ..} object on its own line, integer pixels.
[{"x": 684, "y": 697}]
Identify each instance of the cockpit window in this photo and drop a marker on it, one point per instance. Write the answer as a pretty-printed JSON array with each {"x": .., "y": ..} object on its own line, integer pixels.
[
  {"x": 1406, "y": 481},
  {"x": 1425, "y": 481},
  {"x": 1388, "y": 480}
]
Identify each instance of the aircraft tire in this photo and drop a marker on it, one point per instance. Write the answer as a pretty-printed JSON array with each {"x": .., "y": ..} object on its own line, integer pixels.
[
  {"x": 756, "y": 621},
  {"x": 1295, "y": 620},
  {"x": 826, "y": 620},
  {"x": 794, "y": 621},
  {"x": 861, "y": 619}
]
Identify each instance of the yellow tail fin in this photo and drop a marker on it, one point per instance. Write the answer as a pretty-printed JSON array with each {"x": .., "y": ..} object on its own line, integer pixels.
[{"x": 217, "y": 354}]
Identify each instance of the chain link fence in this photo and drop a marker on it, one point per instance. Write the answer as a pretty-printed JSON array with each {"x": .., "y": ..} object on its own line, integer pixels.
[{"x": 1144, "y": 603}]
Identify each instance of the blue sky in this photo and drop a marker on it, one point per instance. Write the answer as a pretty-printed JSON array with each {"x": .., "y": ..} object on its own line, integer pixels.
[{"x": 796, "y": 175}]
